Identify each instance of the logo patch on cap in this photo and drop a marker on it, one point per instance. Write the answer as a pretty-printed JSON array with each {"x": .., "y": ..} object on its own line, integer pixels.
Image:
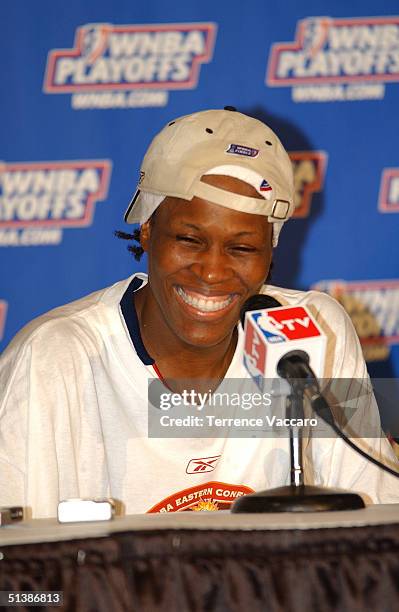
[
  {"x": 264, "y": 186},
  {"x": 237, "y": 149}
]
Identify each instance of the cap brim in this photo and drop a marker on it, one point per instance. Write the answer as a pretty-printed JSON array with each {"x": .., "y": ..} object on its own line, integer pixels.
[{"x": 130, "y": 217}]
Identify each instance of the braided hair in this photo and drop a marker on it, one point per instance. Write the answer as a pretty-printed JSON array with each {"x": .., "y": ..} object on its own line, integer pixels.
[{"x": 137, "y": 251}]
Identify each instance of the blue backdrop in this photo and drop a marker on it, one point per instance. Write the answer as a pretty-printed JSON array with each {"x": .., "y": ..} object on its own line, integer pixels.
[{"x": 85, "y": 86}]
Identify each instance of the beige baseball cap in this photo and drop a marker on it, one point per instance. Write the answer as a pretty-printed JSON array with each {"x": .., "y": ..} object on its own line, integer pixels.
[{"x": 216, "y": 142}]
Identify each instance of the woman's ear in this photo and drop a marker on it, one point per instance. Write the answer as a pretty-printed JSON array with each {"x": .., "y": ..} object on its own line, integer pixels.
[{"x": 145, "y": 234}]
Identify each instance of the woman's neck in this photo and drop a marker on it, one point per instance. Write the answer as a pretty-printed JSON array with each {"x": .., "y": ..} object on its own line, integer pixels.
[{"x": 174, "y": 358}]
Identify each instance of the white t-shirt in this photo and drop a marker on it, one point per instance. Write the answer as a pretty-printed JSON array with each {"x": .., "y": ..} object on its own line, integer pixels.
[{"x": 74, "y": 418}]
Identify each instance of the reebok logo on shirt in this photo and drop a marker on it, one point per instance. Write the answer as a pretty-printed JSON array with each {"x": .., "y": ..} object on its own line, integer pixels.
[{"x": 199, "y": 466}]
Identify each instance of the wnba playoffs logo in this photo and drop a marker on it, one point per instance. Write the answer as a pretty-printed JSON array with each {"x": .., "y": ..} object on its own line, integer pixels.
[
  {"x": 130, "y": 60},
  {"x": 343, "y": 55},
  {"x": 37, "y": 199},
  {"x": 373, "y": 308},
  {"x": 309, "y": 171}
]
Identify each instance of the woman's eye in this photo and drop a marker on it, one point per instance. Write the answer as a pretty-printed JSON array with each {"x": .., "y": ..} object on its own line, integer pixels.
[
  {"x": 244, "y": 249},
  {"x": 189, "y": 239}
]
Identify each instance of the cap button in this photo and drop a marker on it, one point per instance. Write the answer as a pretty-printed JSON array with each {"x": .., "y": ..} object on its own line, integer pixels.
[{"x": 230, "y": 108}]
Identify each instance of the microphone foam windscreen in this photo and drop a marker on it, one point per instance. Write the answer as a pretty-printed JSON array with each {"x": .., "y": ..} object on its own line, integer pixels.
[{"x": 258, "y": 302}]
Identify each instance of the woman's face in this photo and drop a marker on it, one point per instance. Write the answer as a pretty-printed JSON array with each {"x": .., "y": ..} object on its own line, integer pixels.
[{"x": 205, "y": 260}]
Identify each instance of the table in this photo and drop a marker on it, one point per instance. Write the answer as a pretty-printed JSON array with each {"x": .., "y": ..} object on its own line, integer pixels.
[{"x": 216, "y": 561}]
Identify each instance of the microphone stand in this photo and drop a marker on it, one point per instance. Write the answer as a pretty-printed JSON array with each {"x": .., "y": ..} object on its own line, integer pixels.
[
  {"x": 295, "y": 408},
  {"x": 297, "y": 496}
]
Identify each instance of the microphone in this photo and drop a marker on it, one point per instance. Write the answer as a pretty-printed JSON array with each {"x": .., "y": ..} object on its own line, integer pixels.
[
  {"x": 279, "y": 338},
  {"x": 274, "y": 343},
  {"x": 263, "y": 332},
  {"x": 300, "y": 368}
]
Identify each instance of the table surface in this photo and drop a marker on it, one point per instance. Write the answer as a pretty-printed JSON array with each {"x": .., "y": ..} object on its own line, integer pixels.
[{"x": 49, "y": 530}]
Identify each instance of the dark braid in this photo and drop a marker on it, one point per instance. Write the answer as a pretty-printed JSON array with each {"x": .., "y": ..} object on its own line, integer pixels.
[{"x": 137, "y": 251}]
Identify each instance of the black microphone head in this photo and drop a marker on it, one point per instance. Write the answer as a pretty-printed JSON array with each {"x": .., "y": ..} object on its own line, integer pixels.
[{"x": 258, "y": 302}]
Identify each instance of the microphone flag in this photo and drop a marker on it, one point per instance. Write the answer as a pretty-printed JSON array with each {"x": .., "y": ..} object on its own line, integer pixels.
[{"x": 270, "y": 334}]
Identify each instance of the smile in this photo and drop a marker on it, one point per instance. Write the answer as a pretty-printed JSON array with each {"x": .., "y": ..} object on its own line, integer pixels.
[{"x": 203, "y": 303}]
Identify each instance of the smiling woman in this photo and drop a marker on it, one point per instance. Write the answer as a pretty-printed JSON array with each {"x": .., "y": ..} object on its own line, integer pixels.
[
  {"x": 204, "y": 261},
  {"x": 76, "y": 384}
]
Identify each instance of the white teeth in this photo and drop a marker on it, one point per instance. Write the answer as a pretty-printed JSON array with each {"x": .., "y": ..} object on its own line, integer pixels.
[{"x": 204, "y": 304}]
